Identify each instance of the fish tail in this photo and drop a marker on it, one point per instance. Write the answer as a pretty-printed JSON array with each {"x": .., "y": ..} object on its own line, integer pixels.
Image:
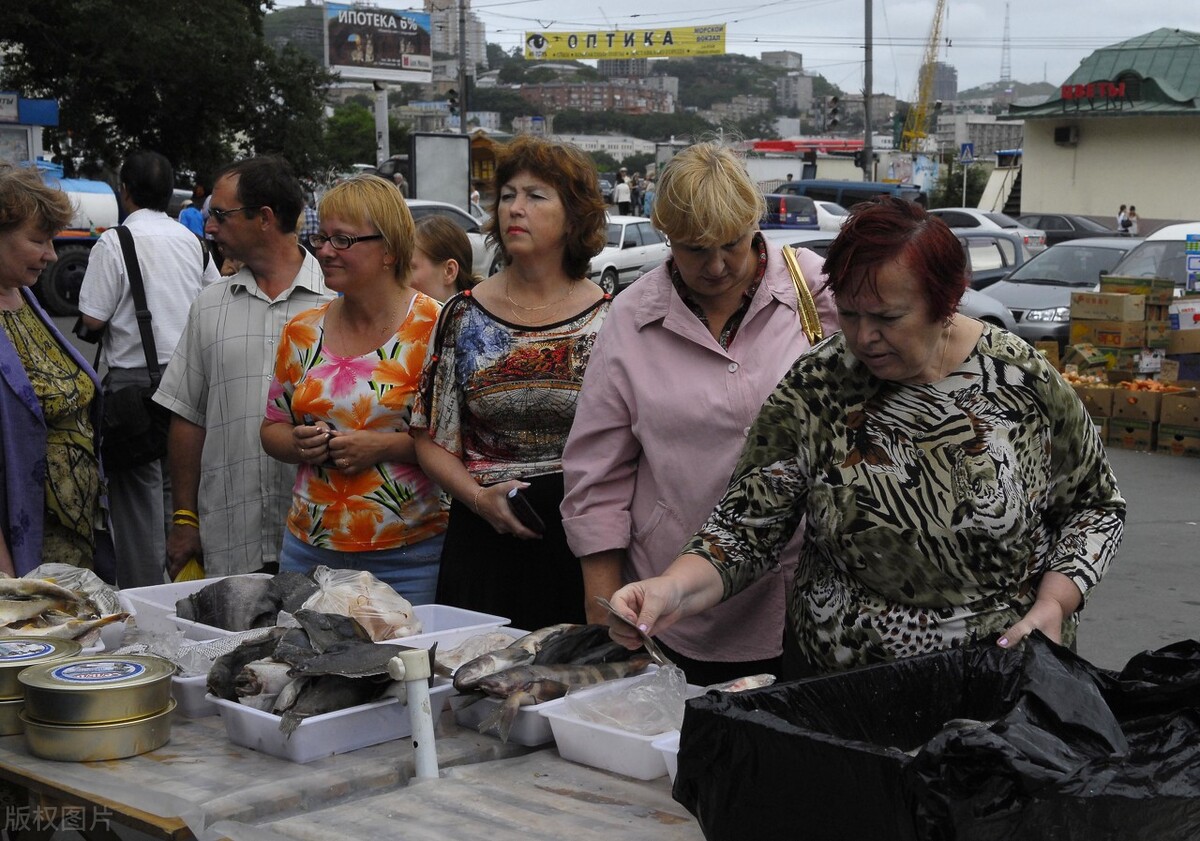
[
  {"x": 288, "y": 722},
  {"x": 502, "y": 719}
]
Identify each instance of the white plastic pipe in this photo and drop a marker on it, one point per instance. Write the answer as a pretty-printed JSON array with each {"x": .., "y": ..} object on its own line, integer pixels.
[{"x": 412, "y": 667}]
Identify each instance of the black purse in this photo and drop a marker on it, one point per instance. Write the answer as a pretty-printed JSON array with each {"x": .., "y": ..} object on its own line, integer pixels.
[{"x": 134, "y": 428}]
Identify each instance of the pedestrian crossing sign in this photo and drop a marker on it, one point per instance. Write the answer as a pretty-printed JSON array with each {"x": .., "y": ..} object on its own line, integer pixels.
[{"x": 967, "y": 154}]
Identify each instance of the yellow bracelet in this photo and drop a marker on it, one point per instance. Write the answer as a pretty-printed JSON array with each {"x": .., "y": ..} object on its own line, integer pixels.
[
  {"x": 183, "y": 512},
  {"x": 181, "y": 522},
  {"x": 475, "y": 501}
]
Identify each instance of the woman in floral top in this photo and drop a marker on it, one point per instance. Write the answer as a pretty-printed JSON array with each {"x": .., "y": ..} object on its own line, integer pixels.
[
  {"x": 345, "y": 377},
  {"x": 951, "y": 485},
  {"x": 503, "y": 377}
]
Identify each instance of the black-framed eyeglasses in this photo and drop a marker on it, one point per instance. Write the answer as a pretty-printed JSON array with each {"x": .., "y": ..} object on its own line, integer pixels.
[
  {"x": 222, "y": 215},
  {"x": 340, "y": 242}
]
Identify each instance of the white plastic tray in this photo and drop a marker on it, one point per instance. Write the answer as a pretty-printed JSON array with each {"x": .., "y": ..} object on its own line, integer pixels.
[
  {"x": 668, "y": 746},
  {"x": 191, "y": 696},
  {"x": 604, "y": 747},
  {"x": 435, "y": 618},
  {"x": 154, "y": 604},
  {"x": 323, "y": 735}
]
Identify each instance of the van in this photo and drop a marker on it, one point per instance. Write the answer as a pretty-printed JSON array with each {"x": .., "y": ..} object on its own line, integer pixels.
[
  {"x": 848, "y": 193},
  {"x": 1164, "y": 253},
  {"x": 789, "y": 211}
]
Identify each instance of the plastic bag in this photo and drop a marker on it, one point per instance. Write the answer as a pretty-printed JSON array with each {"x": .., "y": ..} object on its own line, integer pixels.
[
  {"x": 650, "y": 705},
  {"x": 1059, "y": 749},
  {"x": 382, "y": 612},
  {"x": 191, "y": 571}
]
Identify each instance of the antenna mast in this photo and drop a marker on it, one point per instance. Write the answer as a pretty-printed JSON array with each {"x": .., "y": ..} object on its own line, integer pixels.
[{"x": 1006, "y": 54}]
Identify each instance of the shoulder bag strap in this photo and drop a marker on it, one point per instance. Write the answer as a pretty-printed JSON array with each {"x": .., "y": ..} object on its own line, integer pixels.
[
  {"x": 810, "y": 321},
  {"x": 139, "y": 302}
]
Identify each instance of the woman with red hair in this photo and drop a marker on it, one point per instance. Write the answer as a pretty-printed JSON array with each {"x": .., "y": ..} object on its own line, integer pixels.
[{"x": 950, "y": 484}]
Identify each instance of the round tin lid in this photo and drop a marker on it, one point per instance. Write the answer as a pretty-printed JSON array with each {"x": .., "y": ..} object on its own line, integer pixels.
[
  {"x": 85, "y": 674},
  {"x": 20, "y": 652}
]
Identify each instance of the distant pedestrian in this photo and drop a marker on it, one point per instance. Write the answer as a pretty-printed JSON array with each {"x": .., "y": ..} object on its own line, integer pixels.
[
  {"x": 1122, "y": 220},
  {"x": 622, "y": 196},
  {"x": 191, "y": 218},
  {"x": 1132, "y": 219}
]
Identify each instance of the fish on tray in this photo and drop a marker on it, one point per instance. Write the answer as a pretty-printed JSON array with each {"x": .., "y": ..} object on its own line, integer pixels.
[{"x": 526, "y": 685}]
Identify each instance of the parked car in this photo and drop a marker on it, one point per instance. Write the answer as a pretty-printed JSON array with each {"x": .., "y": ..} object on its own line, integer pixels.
[
  {"x": 1060, "y": 227},
  {"x": 972, "y": 217},
  {"x": 991, "y": 254},
  {"x": 788, "y": 211},
  {"x": 632, "y": 243},
  {"x": 1161, "y": 254},
  {"x": 831, "y": 215},
  {"x": 606, "y": 188},
  {"x": 485, "y": 256},
  {"x": 1039, "y": 292}
]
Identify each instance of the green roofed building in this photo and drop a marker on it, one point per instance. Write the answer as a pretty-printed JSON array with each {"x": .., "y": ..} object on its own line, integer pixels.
[{"x": 1124, "y": 128}]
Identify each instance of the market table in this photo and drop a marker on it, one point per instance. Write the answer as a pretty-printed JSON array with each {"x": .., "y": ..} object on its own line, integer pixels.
[
  {"x": 200, "y": 777},
  {"x": 536, "y": 797}
]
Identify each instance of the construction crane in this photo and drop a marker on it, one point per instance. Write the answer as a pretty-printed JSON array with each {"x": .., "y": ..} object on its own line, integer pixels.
[{"x": 916, "y": 125}]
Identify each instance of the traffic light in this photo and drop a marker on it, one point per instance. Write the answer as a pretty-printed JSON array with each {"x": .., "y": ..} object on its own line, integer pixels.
[
  {"x": 452, "y": 100},
  {"x": 833, "y": 112}
]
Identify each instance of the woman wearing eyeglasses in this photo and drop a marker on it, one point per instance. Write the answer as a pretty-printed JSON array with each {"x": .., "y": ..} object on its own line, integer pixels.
[{"x": 345, "y": 377}]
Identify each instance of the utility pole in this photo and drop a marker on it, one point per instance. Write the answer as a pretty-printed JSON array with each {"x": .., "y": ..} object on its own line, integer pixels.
[
  {"x": 868, "y": 155},
  {"x": 463, "y": 98}
]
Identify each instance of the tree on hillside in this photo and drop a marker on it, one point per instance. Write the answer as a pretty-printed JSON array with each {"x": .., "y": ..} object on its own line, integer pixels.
[{"x": 198, "y": 83}]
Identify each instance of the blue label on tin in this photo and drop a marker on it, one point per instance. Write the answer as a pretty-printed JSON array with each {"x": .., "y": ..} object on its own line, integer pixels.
[
  {"x": 23, "y": 650},
  {"x": 98, "y": 671}
]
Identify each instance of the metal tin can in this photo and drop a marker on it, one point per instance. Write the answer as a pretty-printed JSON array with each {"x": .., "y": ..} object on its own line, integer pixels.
[
  {"x": 97, "y": 689},
  {"x": 17, "y": 653},
  {"x": 10, "y": 719},
  {"x": 94, "y": 742}
]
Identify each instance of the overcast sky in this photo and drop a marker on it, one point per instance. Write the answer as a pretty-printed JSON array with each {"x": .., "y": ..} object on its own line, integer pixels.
[{"x": 1048, "y": 38}]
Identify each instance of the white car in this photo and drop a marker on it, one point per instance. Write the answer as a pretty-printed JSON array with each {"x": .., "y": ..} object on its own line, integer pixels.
[
  {"x": 632, "y": 243},
  {"x": 485, "y": 257},
  {"x": 972, "y": 217},
  {"x": 831, "y": 215}
]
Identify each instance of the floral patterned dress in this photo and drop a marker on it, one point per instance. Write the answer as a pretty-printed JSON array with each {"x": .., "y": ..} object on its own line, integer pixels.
[
  {"x": 392, "y": 505},
  {"x": 502, "y": 397},
  {"x": 930, "y": 510}
]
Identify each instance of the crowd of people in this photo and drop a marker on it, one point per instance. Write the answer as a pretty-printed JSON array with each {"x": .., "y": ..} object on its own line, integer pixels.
[{"x": 770, "y": 461}]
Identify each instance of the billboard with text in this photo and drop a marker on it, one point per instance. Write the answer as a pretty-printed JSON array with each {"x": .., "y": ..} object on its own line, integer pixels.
[
  {"x": 675, "y": 41},
  {"x": 372, "y": 44}
]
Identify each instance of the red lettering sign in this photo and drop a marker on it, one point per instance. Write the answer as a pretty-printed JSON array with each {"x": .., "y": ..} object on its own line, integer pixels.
[{"x": 1092, "y": 90}]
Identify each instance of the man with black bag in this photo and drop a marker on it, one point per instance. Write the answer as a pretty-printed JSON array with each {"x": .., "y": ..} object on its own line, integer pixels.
[{"x": 141, "y": 279}]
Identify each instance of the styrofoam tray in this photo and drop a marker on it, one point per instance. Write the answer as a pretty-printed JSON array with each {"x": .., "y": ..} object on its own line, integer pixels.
[
  {"x": 319, "y": 736},
  {"x": 191, "y": 696},
  {"x": 435, "y": 618},
  {"x": 604, "y": 747},
  {"x": 155, "y": 603},
  {"x": 668, "y": 746}
]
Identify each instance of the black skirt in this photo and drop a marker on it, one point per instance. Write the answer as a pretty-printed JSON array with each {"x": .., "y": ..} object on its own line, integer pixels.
[{"x": 535, "y": 583}]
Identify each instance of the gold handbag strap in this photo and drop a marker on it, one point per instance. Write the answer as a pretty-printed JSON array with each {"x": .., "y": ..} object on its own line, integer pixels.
[{"x": 810, "y": 322}]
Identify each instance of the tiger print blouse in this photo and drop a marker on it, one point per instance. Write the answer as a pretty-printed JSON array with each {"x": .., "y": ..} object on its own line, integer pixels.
[{"x": 929, "y": 510}]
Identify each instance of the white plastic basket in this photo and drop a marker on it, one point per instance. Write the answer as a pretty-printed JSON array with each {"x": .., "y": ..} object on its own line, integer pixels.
[{"x": 155, "y": 604}]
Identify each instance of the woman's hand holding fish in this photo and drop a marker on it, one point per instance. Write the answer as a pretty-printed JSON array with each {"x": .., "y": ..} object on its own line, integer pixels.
[{"x": 653, "y": 605}]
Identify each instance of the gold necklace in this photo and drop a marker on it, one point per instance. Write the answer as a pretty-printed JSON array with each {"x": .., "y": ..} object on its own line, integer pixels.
[
  {"x": 945, "y": 349},
  {"x": 517, "y": 306}
]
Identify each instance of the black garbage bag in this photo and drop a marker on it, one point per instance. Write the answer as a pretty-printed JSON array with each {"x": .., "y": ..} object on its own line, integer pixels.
[{"x": 974, "y": 743}]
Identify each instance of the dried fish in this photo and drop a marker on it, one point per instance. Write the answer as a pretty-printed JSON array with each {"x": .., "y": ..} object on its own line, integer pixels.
[
  {"x": 63, "y": 626},
  {"x": 525, "y": 685},
  {"x": 478, "y": 645},
  {"x": 326, "y": 693},
  {"x": 236, "y": 603}
]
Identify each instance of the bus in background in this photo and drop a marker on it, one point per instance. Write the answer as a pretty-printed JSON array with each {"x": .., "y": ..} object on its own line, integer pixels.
[{"x": 850, "y": 193}]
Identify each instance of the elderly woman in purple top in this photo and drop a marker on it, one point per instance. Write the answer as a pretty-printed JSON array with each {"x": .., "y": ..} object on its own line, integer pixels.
[{"x": 50, "y": 480}]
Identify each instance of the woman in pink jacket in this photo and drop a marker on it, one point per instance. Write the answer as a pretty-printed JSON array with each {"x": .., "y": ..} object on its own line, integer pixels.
[{"x": 683, "y": 364}]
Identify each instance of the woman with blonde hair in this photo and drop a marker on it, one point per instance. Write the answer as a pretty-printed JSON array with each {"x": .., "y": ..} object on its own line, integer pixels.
[
  {"x": 442, "y": 259},
  {"x": 345, "y": 378},
  {"x": 50, "y": 500},
  {"x": 679, "y": 372},
  {"x": 503, "y": 377}
]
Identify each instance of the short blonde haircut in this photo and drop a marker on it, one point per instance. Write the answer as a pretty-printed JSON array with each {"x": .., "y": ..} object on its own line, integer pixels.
[
  {"x": 705, "y": 197},
  {"x": 370, "y": 200},
  {"x": 25, "y": 197}
]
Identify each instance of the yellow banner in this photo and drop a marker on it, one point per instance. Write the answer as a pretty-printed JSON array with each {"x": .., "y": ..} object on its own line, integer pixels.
[{"x": 628, "y": 43}]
